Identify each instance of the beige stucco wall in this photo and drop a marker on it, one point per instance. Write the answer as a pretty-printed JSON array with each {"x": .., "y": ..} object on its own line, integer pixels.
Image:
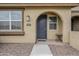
[
  {"x": 30, "y": 31},
  {"x": 74, "y": 13},
  {"x": 74, "y": 35},
  {"x": 53, "y": 32},
  {"x": 74, "y": 39}
]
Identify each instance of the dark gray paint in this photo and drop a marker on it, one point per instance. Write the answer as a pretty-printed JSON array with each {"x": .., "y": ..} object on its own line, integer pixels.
[{"x": 42, "y": 27}]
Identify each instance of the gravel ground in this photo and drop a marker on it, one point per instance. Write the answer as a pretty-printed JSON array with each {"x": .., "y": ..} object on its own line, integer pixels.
[
  {"x": 63, "y": 50},
  {"x": 25, "y": 50},
  {"x": 16, "y": 49}
]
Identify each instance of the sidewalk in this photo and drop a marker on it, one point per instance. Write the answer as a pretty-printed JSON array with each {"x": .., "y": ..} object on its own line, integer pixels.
[{"x": 41, "y": 50}]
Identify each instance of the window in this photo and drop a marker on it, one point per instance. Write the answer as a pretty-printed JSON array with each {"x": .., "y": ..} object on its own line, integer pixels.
[
  {"x": 75, "y": 23},
  {"x": 52, "y": 22},
  {"x": 10, "y": 20}
]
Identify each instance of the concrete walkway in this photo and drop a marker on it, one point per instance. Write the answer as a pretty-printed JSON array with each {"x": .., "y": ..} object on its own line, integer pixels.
[{"x": 41, "y": 50}]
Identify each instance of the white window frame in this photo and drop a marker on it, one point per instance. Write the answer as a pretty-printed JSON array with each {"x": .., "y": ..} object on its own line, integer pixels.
[
  {"x": 10, "y": 29},
  {"x": 53, "y": 22}
]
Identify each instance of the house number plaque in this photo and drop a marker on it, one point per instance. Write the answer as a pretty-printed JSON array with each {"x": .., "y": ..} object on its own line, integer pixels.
[{"x": 28, "y": 24}]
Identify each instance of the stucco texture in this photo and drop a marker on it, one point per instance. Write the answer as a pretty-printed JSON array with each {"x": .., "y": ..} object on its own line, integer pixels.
[
  {"x": 74, "y": 35},
  {"x": 30, "y": 31}
]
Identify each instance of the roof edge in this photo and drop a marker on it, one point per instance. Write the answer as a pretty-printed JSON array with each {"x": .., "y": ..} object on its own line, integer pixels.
[{"x": 39, "y": 4}]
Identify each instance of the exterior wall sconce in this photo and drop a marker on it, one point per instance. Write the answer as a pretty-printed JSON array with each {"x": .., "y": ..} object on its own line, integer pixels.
[
  {"x": 28, "y": 18},
  {"x": 28, "y": 21}
]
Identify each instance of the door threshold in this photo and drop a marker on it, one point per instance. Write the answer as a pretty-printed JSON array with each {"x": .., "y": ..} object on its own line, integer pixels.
[
  {"x": 41, "y": 42},
  {"x": 41, "y": 39}
]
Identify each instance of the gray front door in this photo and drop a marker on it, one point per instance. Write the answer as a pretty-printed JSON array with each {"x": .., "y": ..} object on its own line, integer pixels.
[{"x": 42, "y": 27}]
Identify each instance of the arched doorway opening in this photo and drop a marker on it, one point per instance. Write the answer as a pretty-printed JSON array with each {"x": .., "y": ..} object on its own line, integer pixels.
[{"x": 48, "y": 26}]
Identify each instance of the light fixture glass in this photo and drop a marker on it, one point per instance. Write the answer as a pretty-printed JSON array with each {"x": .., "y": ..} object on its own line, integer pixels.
[{"x": 28, "y": 18}]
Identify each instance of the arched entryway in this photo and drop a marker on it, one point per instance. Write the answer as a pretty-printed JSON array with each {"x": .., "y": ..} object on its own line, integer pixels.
[{"x": 48, "y": 26}]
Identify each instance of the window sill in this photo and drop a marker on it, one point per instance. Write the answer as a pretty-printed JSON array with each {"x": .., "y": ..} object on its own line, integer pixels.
[{"x": 12, "y": 33}]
